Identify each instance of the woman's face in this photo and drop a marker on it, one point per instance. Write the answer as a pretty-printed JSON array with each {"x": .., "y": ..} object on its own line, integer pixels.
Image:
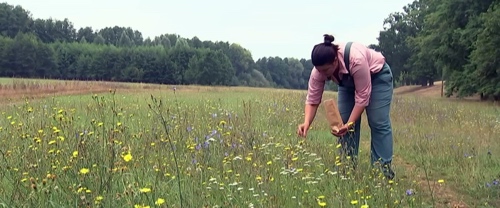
[{"x": 328, "y": 69}]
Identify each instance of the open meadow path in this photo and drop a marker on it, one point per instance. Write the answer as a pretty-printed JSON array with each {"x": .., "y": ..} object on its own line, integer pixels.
[{"x": 444, "y": 196}]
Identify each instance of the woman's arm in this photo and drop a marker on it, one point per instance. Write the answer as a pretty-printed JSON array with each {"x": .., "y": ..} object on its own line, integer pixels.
[
  {"x": 363, "y": 87},
  {"x": 315, "y": 89},
  {"x": 309, "y": 113},
  {"x": 355, "y": 114}
]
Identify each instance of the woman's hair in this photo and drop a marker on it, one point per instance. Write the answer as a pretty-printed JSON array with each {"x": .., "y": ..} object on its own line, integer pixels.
[{"x": 324, "y": 53}]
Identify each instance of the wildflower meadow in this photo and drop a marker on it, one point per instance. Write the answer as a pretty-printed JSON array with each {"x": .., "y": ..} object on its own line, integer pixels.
[{"x": 189, "y": 146}]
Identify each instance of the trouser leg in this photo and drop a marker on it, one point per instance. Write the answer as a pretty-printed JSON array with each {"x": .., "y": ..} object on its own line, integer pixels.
[
  {"x": 350, "y": 141},
  {"x": 378, "y": 115}
]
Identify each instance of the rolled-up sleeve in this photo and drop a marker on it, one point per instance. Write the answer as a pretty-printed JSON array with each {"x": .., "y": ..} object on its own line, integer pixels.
[
  {"x": 315, "y": 88},
  {"x": 361, "y": 74}
]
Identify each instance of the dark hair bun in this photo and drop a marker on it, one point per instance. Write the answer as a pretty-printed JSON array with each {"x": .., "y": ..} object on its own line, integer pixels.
[{"x": 328, "y": 39}]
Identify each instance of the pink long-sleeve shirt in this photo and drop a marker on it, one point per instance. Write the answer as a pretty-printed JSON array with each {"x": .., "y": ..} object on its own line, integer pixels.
[{"x": 363, "y": 62}]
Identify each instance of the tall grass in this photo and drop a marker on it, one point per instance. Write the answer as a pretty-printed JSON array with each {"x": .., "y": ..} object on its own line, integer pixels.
[{"x": 220, "y": 148}]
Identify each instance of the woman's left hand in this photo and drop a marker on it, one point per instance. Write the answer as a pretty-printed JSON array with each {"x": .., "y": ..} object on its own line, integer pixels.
[{"x": 342, "y": 130}]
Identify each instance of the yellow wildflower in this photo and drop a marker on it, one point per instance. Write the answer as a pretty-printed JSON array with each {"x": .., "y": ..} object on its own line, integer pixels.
[
  {"x": 145, "y": 190},
  {"x": 127, "y": 157},
  {"x": 159, "y": 201},
  {"x": 84, "y": 170}
]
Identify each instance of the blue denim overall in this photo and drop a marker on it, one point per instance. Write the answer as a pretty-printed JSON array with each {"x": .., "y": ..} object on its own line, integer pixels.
[{"x": 377, "y": 112}]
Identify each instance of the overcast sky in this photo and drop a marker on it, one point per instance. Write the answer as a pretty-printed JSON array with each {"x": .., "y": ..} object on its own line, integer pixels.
[{"x": 267, "y": 28}]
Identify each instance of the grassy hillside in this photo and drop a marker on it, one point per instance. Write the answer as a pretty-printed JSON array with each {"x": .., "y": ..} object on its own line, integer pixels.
[{"x": 433, "y": 92}]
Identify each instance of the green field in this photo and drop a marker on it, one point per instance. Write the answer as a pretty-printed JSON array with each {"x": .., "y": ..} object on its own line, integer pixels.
[{"x": 236, "y": 147}]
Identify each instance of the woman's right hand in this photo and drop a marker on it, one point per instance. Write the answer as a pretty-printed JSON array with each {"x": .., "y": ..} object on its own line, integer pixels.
[
  {"x": 302, "y": 129},
  {"x": 309, "y": 114}
]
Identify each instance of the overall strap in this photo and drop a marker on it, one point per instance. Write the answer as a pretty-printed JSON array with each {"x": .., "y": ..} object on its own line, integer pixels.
[{"x": 347, "y": 51}]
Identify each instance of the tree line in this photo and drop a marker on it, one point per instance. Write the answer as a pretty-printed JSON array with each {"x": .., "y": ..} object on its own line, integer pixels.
[
  {"x": 450, "y": 40},
  {"x": 429, "y": 40},
  {"x": 48, "y": 48}
]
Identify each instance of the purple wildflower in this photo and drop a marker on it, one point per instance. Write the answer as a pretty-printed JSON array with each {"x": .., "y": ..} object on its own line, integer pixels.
[
  {"x": 493, "y": 183},
  {"x": 409, "y": 192}
]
